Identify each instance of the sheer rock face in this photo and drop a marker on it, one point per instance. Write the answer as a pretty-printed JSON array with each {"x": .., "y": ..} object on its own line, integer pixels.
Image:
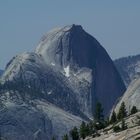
[
  {"x": 73, "y": 49},
  {"x": 70, "y": 70},
  {"x": 68, "y": 46}
]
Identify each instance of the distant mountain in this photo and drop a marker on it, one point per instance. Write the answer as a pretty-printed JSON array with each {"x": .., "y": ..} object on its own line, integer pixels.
[
  {"x": 129, "y": 68},
  {"x": 47, "y": 92},
  {"x": 1, "y": 71}
]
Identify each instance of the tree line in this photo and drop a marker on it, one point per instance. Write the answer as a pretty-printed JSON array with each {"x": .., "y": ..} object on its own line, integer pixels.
[{"x": 99, "y": 122}]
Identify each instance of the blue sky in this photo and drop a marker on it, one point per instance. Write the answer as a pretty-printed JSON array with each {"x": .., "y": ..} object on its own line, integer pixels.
[{"x": 114, "y": 23}]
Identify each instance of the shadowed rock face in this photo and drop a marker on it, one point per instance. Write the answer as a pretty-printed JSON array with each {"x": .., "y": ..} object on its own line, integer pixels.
[
  {"x": 72, "y": 46},
  {"x": 70, "y": 70},
  {"x": 68, "y": 45}
]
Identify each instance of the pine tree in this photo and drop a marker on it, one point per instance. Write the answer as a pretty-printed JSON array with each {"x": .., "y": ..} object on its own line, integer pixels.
[
  {"x": 65, "y": 137},
  {"x": 99, "y": 122},
  {"x": 123, "y": 125},
  {"x": 116, "y": 128},
  {"x": 133, "y": 110},
  {"x": 98, "y": 115},
  {"x": 83, "y": 130},
  {"x": 107, "y": 121},
  {"x": 90, "y": 128},
  {"x": 122, "y": 112},
  {"x": 53, "y": 138},
  {"x": 113, "y": 117},
  {"x": 74, "y": 134}
]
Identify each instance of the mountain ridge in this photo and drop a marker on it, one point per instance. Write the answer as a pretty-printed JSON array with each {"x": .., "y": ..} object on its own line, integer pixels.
[
  {"x": 128, "y": 67},
  {"x": 69, "y": 69}
]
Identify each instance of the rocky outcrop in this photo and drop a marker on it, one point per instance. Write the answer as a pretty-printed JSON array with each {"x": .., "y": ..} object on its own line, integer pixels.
[
  {"x": 131, "y": 97},
  {"x": 29, "y": 74},
  {"x": 131, "y": 133},
  {"x": 71, "y": 49},
  {"x": 129, "y": 68},
  {"x": 23, "y": 119},
  {"x": 66, "y": 75}
]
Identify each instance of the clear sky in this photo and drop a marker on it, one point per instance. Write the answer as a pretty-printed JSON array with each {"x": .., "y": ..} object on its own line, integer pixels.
[{"x": 114, "y": 23}]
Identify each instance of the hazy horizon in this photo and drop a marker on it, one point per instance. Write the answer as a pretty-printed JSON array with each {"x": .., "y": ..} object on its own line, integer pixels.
[{"x": 115, "y": 24}]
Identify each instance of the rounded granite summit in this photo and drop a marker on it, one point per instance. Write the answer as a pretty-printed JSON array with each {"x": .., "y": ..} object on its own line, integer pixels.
[
  {"x": 61, "y": 81},
  {"x": 68, "y": 45},
  {"x": 69, "y": 49}
]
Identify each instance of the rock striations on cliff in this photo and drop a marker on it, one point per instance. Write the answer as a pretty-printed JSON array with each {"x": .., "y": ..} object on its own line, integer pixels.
[{"x": 57, "y": 85}]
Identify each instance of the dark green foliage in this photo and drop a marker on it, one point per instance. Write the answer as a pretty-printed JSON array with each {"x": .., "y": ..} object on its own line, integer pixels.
[
  {"x": 122, "y": 112},
  {"x": 123, "y": 125},
  {"x": 53, "y": 138},
  {"x": 90, "y": 128},
  {"x": 87, "y": 130},
  {"x": 98, "y": 115},
  {"x": 113, "y": 118},
  {"x": 96, "y": 134},
  {"x": 74, "y": 134},
  {"x": 116, "y": 128},
  {"x": 99, "y": 122},
  {"x": 98, "y": 125},
  {"x": 107, "y": 122},
  {"x": 83, "y": 130},
  {"x": 65, "y": 137},
  {"x": 133, "y": 110}
]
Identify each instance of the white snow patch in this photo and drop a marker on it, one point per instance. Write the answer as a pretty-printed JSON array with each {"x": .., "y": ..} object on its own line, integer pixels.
[
  {"x": 67, "y": 71},
  {"x": 53, "y": 64},
  {"x": 8, "y": 103},
  {"x": 50, "y": 92}
]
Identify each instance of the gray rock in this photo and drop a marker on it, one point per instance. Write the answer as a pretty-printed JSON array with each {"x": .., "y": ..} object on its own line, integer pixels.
[
  {"x": 131, "y": 133},
  {"x": 64, "y": 78},
  {"x": 131, "y": 97},
  {"x": 33, "y": 119},
  {"x": 129, "y": 68},
  {"x": 71, "y": 48},
  {"x": 29, "y": 74}
]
